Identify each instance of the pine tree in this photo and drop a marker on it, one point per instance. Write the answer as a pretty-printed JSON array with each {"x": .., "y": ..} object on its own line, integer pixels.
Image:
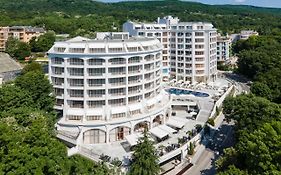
[{"x": 145, "y": 160}]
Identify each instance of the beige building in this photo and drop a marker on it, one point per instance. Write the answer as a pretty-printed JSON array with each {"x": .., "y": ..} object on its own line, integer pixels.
[{"x": 23, "y": 33}]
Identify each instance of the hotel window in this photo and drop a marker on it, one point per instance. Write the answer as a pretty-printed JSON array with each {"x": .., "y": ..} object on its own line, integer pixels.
[
  {"x": 96, "y": 61},
  {"x": 135, "y": 112},
  {"x": 75, "y": 61},
  {"x": 97, "y": 50},
  {"x": 96, "y": 93},
  {"x": 94, "y": 117},
  {"x": 74, "y": 117},
  {"x": 76, "y": 71},
  {"x": 76, "y": 50},
  {"x": 57, "y": 60},
  {"x": 201, "y": 46},
  {"x": 120, "y": 115},
  {"x": 118, "y": 91},
  {"x": 117, "y": 102},
  {"x": 149, "y": 34},
  {"x": 117, "y": 70},
  {"x": 96, "y": 104},
  {"x": 58, "y": 70},
  {"x": 117, "y": 61},
  {"x": 76, "y": 93},
  {"x": 58, "y": 92},
  {"x": 199, "y": 33},
  {"x": 96, "y": 82},
  {"x": 188, "y": 34},
  {"x": 132, "y": 49},
  {"x": 188, "y": 46},
  {"x": 59, "y": 49},
  {"x": 199, "y": 40},
  {"x": 76, "y": 82},
  {"x": 115, "y": 50},
  {"x": 199, "y": 52},
  {"x": 96, "y": 71},
  {"x": 76, "y": 104}
]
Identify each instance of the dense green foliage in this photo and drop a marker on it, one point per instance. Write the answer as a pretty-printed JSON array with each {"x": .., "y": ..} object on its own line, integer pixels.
[
  {"x": 17, "y": 49},
  {"x": 27, "y": 139},
  {"x": 258, "y": 132},
  {"x": 145, "y": 160},
  {"x": 260, "y": 60},
  {"x": 43, "y": 43},
  {"x": 84, "y": 17}
]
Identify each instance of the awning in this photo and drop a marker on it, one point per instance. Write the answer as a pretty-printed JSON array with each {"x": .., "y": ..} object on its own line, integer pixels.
[
  {"x": 151, "y": 101},
  {"x": 75, "y": 112},
  {"x": 133, "y": 138},
  {"x": 175, "y": 123},
  {"x": 183, "y": 120},
  {"x": 158, "y": 132},
  {"x": 98, "y": 111},
  {"x": 135, "y": 107},
  {"x": 167, "y": 129},
  {"x": 117, "y": 110}
]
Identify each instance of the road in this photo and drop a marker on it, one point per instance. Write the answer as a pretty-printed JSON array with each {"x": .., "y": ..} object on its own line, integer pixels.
[{"x": 223, "y": 138}]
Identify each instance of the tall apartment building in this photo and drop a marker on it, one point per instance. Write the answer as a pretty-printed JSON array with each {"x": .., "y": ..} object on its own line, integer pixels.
[
  {"x": 189, "y": 48},
  {"x": 23, "y": 33},
  {"x": 223, "y": 49},
  {"x": 108, "y": 88}
]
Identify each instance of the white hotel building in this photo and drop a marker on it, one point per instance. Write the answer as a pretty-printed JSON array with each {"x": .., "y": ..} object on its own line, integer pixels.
[
  {"x": 108, "y": 88},
  {"x": 189, "y": 51}
]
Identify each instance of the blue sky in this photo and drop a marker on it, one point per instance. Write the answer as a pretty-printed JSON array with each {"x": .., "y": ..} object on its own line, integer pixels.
[{"x": 262, "y": 3}]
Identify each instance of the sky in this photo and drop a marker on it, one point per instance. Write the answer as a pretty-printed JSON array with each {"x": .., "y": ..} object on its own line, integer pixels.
[{"x": 261, "y": 3}]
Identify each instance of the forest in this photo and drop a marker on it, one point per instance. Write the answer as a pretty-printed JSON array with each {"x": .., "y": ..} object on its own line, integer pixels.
[
  {"x": 85, "y": 17},
  {"x": 257, "y": 115}
]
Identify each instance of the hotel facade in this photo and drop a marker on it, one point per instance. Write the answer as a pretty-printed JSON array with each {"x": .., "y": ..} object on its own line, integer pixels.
[
  {"x": 108, "y": 88},
  {"x": 189, "y": 48}
]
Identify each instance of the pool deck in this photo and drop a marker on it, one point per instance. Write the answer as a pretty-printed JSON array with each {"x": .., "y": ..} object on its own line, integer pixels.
[{"x": 120, "y": 149}]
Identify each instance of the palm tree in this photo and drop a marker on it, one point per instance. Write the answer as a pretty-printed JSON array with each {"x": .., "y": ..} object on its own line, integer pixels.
[{"x": 145, "y": 160}]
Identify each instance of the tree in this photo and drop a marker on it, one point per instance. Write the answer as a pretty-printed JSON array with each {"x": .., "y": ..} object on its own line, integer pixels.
[
  {"x": 261, "y": 89},
  {"x": 14, "y": 97},
  {"x": 232, "y": 170},
  {"x": 145, "y": 160},
  {"x": 39, "y": 88},
  {"x": 249, "y": 112},
  {"x": 191, "y": 148},
  {"x": 33, "y": 66},
  {"x": 17, "y": 49},
  {"x": 43, "y": 43}
]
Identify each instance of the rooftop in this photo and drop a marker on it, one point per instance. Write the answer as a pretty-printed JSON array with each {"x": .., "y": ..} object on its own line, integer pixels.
[{"x": 7, "y": 64}]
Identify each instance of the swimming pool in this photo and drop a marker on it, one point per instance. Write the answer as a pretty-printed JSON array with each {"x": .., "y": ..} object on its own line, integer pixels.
[{"x": 186, "y": 92}]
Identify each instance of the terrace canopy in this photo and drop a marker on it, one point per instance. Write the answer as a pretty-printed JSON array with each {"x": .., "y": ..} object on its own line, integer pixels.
[
  {"x": 167, "y": 129},
  {"x": 133, "y": 138},
  {"x": 175, "y": 123},
  {"x": 159, "y": 133}
]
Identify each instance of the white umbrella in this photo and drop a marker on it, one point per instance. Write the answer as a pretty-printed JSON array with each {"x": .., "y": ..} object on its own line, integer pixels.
[{"x": 193, "y": 113}]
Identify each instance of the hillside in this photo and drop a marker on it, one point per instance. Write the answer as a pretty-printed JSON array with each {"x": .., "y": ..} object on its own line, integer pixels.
[{"x": 86, "y": 16}]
